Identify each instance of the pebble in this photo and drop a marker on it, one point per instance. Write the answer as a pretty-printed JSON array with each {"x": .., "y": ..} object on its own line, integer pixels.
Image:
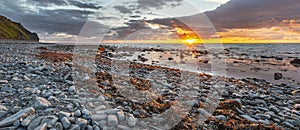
[
  {"x": 65, "y": 122},
  {"x": 41, "y": 103},
  {"x": 112, "y": 120},
  {"x": 27, "y": 120},
  {"x": 82, "y": 123},
  {"x": 22, "y": 113},
  {"x": 121, "y": 116},
  {"x": 99, "y": 117},
  {"x": 297, "y": 106},
  {"x": 3, "y": 82},
  {"x": 77, "y": 113},
  {"x": 3, "y": 108},
  {"x": 62, "y": 114},
  {"x": 131, "y": 120},
  {"x": 75, "y": 127},
  {"x": 72, "y": 89},
  {"x": 221, "y": 117},
  {"x": 86, "y": 112},
  {"x": 58, "y": 126},
  {"x": 3, "y": 114},
  {"x": 42, "y": 127},
  {"x": 249, "y": 118}
]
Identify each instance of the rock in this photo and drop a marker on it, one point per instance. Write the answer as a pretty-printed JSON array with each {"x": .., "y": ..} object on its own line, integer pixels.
[
  {"x": 99, "y": 117},
  {"x": 112, "y": 120},
  {"x": 3, "y": 108},
  {"x": 123, "y": 127},
  {"x": 58, "y": 126},
  {"x": 3, "y": 114},
  {"x": 101, "y": 107},
  {"x": 131, "y": 120},
  {"x": 77, "y": 113},
  {"x": 21, "y": 114},
  {"x": 9, "y": 128},
  {"x": 296, "y": 92},
  {"x": 249, "y": 118},
  {"x": 96, "y": 128},
  {"x": 65, "y": 122},
  {"x": 42, "y": 127},
  {"x": 297, "y": 106},
  {"x": 278, "y": 76},
  {"x": 112, "y": 111},
  {"x": 72, "y": 89},
  {"x": 62, "y": 114},
  {"x": 49, "y": 120},
  {"x": 221, "y": 117},
  {"x": 296, "y": 62},
  {"x": 75, "y": 127},
  {"x": 121, "y": 116},
  {"x": 287, "y": 124},
  {"x": 89, "y": 127},
  {"x": 27, "y": 120},
  {"x": 82, "y": 123},
  {"x": 3, "y": 82},
  {"x": 41, "y": 103},
  {"x": 85, "y": 112},
  {"x": 141, "y": 58}
]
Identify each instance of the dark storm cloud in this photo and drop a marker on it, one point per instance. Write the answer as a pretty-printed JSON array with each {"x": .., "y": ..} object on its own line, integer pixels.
[
  {"x": 67, "y": 21},
  {"x": 254, "y": 13},
  {"x": 84, "y": 5},
  {"x": 47, "y": 2}
]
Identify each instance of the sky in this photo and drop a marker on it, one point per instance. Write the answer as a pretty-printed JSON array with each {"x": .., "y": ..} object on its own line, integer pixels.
[{"x": 231, "y": 21}]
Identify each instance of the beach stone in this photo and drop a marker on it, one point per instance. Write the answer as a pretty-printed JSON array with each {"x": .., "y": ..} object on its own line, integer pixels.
[
  {"x": 112, "y": 120},
  {"x": 3, "y": 82},
  {"x": 27, "y": 120},
  {"x": 221, "y": 117},
  {"x": 287, "y": 124},
  {"x": 9, "y": 128},
  {"x": 249, "y": 118},
  {"x": 3, "y": 114},
  {"x": 72, "y": 89},
  {"x": 77, "y": 113},
  {"x": 42, "y": 127},
  {"x": 75, "y": 127},
  {"x": 62, "y": 114},
  {"x": 58, "y": 126},
  {"x": 131, "y": 120},
  {"x": 101, "y": 107},
  {"x": 295, "y": 62},
  {"x": 121, "y": 116},
  {"x": 296, "y": 92},
  {"x": 297, "y": 106},
  {"x": 278, "y": 76},
  {"x": 21, "y": 114},
  {"x": 85, "y": 112},
  {"x": 123, "y": 127},
  {"x": 82, "y": 123},
  {"x": 3, "y": 108},
  {"x": 65, "y": 122},
  {"x": 41, "y": 103},
  {"x": 49, "y": 120},
  {"x": 112, "y": 111},
  {"x": 99, "y": 117},
  {"x": 96, "y": 128}
]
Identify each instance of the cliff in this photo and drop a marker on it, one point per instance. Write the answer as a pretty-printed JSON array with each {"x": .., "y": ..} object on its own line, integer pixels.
[{"x": 10, "y": 30}]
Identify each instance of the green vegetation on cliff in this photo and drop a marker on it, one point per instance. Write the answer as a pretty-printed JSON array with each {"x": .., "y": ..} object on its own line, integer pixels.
[{"x": 15, "y": 31}]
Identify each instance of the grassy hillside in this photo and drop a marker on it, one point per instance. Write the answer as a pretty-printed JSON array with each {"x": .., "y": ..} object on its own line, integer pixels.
[{"x": 15, "y": 31}]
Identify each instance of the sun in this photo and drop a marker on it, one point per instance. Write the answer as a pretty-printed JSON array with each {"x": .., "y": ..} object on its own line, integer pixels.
[{"x": 190, "y": 41}]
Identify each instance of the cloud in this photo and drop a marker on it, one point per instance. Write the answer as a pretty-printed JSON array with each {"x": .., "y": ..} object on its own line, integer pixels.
[
  {"x": 84, "y": 4},
  {"x": 254, "y": 13},
  {"x": 123, "y": 9},
  {"x": 146, "y": 4}
]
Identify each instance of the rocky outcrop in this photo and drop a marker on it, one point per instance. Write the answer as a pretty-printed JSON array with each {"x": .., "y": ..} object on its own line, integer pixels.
[{"x": 10, "y": 30}]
